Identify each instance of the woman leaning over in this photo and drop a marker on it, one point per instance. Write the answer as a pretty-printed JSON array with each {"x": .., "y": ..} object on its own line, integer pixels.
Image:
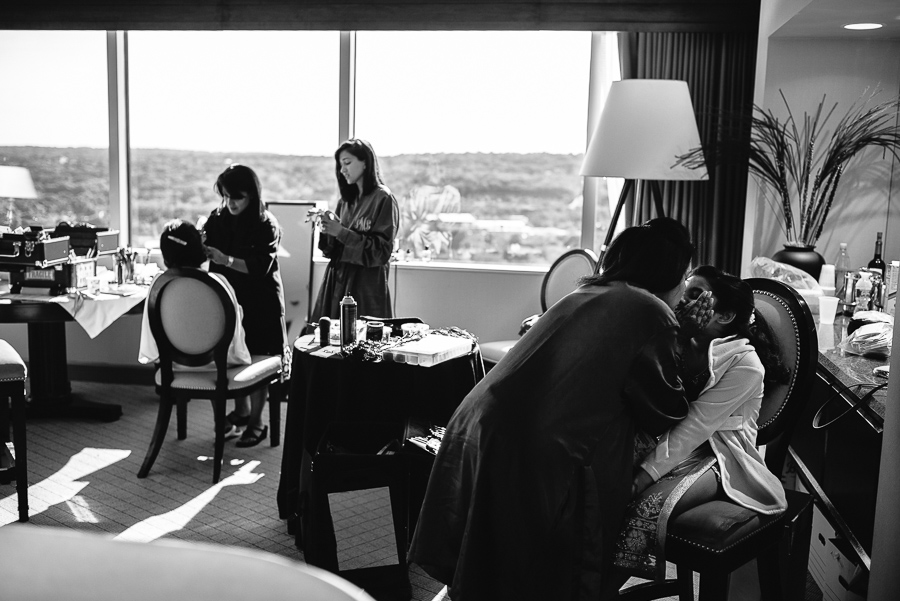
[
  {"x": 359, "y": 237},
  {"x": 528, "y": 489},
  {"x": 242, "y": 240}
]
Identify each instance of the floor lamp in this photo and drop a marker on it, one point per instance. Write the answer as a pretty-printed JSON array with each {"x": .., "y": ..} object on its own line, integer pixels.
[
  {"x": 15, "y": 182},
  {"x": 645, "y": 125}
]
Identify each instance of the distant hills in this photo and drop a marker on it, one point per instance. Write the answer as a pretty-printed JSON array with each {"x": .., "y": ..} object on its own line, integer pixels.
[{"x": 542, "y": 190}]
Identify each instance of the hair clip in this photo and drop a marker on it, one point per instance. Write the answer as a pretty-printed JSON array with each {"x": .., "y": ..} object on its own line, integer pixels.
[
  {"x": 174, "y": 239},
  {"x": 752, "y": 317}
]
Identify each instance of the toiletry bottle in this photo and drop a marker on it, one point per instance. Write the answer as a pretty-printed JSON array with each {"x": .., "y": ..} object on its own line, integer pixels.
[
  {"x": 841, "y": 267},
  {"x": 348, "y": 321}
]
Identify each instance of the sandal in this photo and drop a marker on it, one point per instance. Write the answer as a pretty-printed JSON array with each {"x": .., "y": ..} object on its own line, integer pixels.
[
  {"x": 253, "y": 436},
  {"x": 235, "y": 425}
]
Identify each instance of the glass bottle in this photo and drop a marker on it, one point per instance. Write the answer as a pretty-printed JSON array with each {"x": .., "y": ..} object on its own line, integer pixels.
[
  {"x": 877, "y": 262},
  {"x": 841, "y": 267}
]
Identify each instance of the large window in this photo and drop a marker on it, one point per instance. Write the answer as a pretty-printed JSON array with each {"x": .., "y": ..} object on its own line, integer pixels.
[
  {"x": 480, "y": 136},
  {"x": 53, "y": 121},
  {"x": 202, "y": 100}
]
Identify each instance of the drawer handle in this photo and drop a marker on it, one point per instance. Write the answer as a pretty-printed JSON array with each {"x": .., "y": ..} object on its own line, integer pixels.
[{"x": 17, "y": 246}]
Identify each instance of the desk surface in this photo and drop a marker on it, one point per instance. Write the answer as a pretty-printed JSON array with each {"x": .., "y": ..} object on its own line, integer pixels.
[{"x": 841, "y": 368}]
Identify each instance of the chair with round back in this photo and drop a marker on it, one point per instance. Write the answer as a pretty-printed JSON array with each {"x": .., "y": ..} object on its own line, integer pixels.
[
  {"x": 13, "y": 458},
  {"x": 695, "y": 542},
  {"x": 192, "y": 318},
  {"x": 560, "y": 280}
]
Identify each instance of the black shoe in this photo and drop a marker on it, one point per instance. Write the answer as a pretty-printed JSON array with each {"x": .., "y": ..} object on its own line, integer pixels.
[{"x": 253, "y": 436}]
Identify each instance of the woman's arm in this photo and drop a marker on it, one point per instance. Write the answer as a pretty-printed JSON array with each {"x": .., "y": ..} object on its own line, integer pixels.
[
  {"x": 369, "y": 239},
  {"x": 653, "y": 390},
  {"x": 740, "y": 383}
]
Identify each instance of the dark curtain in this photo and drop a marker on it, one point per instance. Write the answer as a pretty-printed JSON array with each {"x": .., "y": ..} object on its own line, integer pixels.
[{"x": 719, "y": 69}]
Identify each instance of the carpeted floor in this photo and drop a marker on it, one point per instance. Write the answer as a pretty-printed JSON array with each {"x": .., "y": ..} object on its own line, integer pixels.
[{"x": 82, "y": 476}]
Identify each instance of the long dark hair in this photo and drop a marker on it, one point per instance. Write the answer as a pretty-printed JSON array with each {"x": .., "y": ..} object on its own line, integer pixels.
[
  {"x": 734, "y": 295},
  {"x": 654, "y": 256},
  {"x": 371, "y": 177},
  {"x": 240, "y": 179}
]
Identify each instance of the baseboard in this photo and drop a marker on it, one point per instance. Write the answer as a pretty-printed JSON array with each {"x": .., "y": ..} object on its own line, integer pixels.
[{"x": 112, "y": 374}]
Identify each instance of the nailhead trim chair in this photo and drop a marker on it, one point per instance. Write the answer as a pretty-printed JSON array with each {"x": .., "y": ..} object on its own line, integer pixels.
[
  {"x": 693, "y": 542},
  {"x": 12, "y": 388},
  {"x": 192, "y": 318},
  {"x": 560, "y": 280}
]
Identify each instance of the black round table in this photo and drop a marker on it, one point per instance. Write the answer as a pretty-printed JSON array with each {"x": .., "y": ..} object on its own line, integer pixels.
[{"x": 48, "y": 372}]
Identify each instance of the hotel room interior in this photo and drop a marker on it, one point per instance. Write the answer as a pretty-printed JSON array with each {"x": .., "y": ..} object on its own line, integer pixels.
[{"x": 82, "y": 468}]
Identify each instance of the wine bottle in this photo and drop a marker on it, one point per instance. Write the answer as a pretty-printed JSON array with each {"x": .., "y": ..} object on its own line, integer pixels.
[{"x": 877, "y": 262}]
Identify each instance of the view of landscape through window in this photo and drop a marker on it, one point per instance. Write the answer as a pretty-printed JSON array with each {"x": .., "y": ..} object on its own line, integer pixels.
[
  {"x": 53, "y": 121},
  {"x": 480, "y": 134}
]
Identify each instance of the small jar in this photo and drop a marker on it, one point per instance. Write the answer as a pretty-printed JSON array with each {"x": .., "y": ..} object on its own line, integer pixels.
[{"x": 375, "y": 331}]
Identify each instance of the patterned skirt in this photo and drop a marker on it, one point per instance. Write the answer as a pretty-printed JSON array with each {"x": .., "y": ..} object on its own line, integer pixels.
[{"x": 639, "y": 549}]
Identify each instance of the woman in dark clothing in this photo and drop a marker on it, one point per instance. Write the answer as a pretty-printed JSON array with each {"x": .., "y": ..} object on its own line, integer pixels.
[
  {"x": 528, "y": 489},
  {"x": 242, "y": 239},
  {"x": 359, "y": 236}
]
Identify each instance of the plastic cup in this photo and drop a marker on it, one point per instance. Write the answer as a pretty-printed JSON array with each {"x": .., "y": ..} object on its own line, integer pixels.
[{"x": 827, "y": 308}]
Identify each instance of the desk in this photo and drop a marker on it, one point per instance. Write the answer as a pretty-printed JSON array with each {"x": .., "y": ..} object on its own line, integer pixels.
[
  {"x": 323, "y": 390},
  {"x": 839, "y": 464},
  {"x": 48, "y": 374}
]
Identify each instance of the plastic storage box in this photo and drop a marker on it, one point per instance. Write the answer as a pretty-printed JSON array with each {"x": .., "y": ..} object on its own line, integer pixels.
[{"x": 429, "y": 350}]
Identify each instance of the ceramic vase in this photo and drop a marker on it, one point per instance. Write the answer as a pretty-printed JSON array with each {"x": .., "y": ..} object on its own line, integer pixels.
[{"x": 801, "y": 257}]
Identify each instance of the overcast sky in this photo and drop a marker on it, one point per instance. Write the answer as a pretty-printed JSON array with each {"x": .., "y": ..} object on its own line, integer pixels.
[{"x": 278, "y": 91}]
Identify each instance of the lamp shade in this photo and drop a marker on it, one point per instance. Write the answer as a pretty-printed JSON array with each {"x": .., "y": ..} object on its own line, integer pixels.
[
  {"x": 645, "y": 125},
  {"x": 15, "y": 182}
]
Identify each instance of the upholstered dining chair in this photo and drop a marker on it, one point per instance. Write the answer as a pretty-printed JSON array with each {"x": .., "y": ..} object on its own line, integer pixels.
[
  {"x": 779, "y": 543},
  {"x": 13, "y": 459},
  {"x": 58, "y": 563},
  {"x": 560, "y": 280},
  {"x": 192, "y": 318}
]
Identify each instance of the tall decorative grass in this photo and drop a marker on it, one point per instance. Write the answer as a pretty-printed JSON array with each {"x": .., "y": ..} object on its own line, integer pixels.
[{"x": 801, "y": 163}]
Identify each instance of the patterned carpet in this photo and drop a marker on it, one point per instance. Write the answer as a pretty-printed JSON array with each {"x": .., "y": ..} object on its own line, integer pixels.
[{"x": 82, "y": 476}]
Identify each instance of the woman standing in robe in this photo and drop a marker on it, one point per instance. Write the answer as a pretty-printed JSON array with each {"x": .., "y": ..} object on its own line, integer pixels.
[
  {"x": 242, "y": 239},
  {"x": 359, "y": 237},
  {"x": 528, "y": 490}
]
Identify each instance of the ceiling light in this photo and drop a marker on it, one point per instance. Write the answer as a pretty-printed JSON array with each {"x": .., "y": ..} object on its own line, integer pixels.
[{"x": 863, "y": 26}]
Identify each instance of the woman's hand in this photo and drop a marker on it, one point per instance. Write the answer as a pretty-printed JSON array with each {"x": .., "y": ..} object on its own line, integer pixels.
[
  {"x": 641, "y": 481},
  {"x": 215, "y": 255},
  {"x": 695, "y": 315},
  {"x": 330, "y": 224}
]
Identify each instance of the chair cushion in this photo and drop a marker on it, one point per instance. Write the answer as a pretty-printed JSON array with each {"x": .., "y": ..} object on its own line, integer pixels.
[
  {"x": 11, "y": 365},
  {"x": 707, "y": 533},
  {"x": 494, "y": 351},
  {"x": 239, "y": 377}
]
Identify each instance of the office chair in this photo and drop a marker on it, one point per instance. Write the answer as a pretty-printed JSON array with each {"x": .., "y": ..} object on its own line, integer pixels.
[
  {"x": 14, "y": 459},
  {"x": 693, "y": 542},
  {"x": 192, "y": 318},
  {"x": 560, "y": 280}
]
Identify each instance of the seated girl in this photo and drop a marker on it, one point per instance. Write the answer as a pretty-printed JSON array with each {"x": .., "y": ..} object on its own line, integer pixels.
[
  {"x": 712, "y": 453},
  {"x": 182, "y": 246}
]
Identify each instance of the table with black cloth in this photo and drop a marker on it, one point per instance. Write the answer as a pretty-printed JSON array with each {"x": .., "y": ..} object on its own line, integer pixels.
[{"x": 327, "y": 390}]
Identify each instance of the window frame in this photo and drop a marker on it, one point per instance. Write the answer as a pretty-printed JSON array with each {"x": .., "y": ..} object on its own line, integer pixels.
[{"x": 119, "y": 155}]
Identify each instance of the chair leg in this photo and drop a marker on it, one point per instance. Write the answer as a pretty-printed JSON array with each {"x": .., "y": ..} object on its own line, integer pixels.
[
  {"x": 219, "y": 454},
  {"x": 399, "y": 491},
  {"x": 18, "y": 420},
  {"x": 714, "y": 585},
  {"x": 181, "y": 417},
  {"x": 159, "y": 434},
  {"x": 684, "y": 583},
  {"x": 277, "y": 394}
]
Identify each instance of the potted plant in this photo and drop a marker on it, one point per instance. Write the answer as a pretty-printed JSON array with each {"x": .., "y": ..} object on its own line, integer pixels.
[{"x": 800, "y": 164}]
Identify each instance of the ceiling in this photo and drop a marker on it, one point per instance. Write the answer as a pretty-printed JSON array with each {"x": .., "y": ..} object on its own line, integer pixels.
[{"x": 825, "y": 19}]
